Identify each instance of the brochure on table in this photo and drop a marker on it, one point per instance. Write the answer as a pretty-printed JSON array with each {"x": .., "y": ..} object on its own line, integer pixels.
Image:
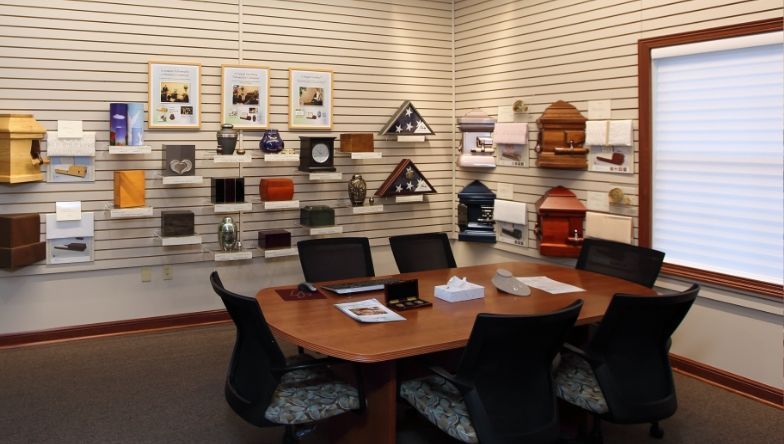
[{"x": 369, "y": 310}]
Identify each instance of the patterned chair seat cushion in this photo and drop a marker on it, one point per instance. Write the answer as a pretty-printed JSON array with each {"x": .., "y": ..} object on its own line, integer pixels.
[
  {"x": 309, "y": 395},
  {"x": 442, "y": 404},
  {"x": 576, "y": 384}
]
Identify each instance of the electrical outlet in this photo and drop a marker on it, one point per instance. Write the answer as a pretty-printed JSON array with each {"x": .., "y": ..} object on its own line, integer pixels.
[
  {"x": 146, "y": 274},
  {"x": 168, "y": 273}
]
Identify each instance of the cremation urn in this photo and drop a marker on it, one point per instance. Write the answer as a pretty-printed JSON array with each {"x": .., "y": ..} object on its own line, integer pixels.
[
  {"x": 357, "y": 189},
  {"x": 227, "y": 234}
]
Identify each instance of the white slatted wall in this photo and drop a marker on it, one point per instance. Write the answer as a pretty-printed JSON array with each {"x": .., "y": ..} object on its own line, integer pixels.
[
  {"x": 573, "y": 50},
  {"x": 67, "y": 60}
]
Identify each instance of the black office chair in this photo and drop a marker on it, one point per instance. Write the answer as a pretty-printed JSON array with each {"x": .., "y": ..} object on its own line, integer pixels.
[
  {"x": 630, "y": 262},
  {"x": 503, "y": 389},
  {"x": 266, "y": 390},
  {"x": 624, "y": 374},
  {"x": 420, "y": 252},
  {"x": 335, "y": 258}
]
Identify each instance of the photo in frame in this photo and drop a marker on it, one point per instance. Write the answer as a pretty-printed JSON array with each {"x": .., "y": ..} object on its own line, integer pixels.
[
  {"x": 310, "y": 98},
  {"x": 174, "y": 95},
  {"x": 245, "y": 96}
]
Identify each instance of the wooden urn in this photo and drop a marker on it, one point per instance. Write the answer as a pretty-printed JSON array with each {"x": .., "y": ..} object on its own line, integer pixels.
[
  {"x": 20, "y": 151},
  {"x": 559, "y": 223},
  {"x": 561, "y": 138}
]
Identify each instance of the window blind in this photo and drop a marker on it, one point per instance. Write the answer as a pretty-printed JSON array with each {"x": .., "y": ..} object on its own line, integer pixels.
[{"x": 718, "y": 161}]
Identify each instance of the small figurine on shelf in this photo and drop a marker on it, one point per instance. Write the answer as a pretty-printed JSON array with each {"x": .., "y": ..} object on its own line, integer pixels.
[{"x": 227, "y": 139}]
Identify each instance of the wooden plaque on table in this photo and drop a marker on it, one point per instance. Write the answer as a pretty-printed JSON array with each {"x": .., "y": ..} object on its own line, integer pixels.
[
  {"x": 129, "y": 188},
  {"x": 356, "y": 143},
  {"x": 177, "y": 223}
]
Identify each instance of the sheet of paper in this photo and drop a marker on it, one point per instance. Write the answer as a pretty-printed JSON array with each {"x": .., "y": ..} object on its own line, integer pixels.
[
  {"x": 68, "y": 210},
  {"x": 70, "y": 228},
  {"x": 506, "y": 113},
  {"x": 599, "y": 109},
  {"x": 544, "y": 283},
  {"x": 83, "y": 145},
  {"x": 69, "y": 129}
]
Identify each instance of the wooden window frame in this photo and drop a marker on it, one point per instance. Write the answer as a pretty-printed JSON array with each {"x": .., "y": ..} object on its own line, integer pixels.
[{"x": 644, "y": 47}]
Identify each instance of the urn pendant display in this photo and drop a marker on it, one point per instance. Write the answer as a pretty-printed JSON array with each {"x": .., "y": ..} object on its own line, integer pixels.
[
  {"x": 227, "y": 234},
  {"x": 271, "y": 142},
  {"x": 227, "y": 139},
  {"x": 357, "y": 189}
]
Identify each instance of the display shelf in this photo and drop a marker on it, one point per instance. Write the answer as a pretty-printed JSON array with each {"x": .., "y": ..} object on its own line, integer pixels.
[
  {"x": 233, "y": 207},
  {"x": 367, "y": 155},
  {"x": 411, "y": 198},
  {"x": 281, "y": 205},
  {"x": 367, "y": 209},
  {"x": 334, "y": 229},
  {"x": 179, "y": 180},
  {"x": 281, "y": 252},
  {"x": 180, "y": 240},
  {"x": 119, "y": 213},
  {"x": 326, "y": 176},
  {"x": 226, "y": 256},
  {"x": 232, "y": 158},
  {"x": 280, "y": 157},
  {"x": 130, "y": 149}
]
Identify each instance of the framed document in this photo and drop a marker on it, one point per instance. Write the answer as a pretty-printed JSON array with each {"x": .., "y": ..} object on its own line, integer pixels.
[
  {"x": 245, "y": 96},
  {"x": 174, "y": 95},
  {"x": 310, "y": 98}
]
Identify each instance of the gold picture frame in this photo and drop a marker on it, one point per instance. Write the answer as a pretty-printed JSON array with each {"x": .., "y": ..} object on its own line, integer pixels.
[
  {"x": 245, "y": 96},
  {"x": 174, "y": 95},
  {"x": 310, "y": 98}
]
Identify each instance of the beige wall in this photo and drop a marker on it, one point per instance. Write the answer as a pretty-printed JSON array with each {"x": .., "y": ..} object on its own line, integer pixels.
[{"x": 68, "y": 60}]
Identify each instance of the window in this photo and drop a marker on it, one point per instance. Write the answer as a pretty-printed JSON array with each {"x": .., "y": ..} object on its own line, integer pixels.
[{"x": 712, "y": 154}]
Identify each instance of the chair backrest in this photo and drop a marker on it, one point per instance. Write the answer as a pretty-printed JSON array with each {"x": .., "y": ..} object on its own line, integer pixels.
[
  {"x": 631, "y": 350},
  {"x": 250, "y": 381},
  {"x": 509, "y": 360},
  {"x": 630, "y": 262},
  {"x": 420, "y": 252},
  {"x": 335, "y": 258}
]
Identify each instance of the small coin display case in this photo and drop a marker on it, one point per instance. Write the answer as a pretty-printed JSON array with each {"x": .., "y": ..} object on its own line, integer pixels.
[{"x": 404, "y": 295}]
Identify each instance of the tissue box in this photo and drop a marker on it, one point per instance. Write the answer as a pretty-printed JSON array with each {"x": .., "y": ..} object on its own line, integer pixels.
[{"x": 468, "y": 292}]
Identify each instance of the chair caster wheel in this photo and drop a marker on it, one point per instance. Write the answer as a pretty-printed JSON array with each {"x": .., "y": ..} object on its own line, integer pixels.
[{"x": 656, "y": 431}]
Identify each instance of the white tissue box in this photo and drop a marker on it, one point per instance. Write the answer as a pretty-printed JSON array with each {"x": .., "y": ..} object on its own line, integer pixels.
[{"x": 466, "y": 293}]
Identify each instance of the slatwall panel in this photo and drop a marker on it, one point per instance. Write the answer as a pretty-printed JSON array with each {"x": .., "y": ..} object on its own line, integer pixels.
[
  {"x": 67, "y": 60},
  {"x": 573, "y": 50}
]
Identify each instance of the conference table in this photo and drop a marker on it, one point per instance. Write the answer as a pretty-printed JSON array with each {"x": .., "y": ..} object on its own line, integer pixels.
[{"x": 317, "y": 325}]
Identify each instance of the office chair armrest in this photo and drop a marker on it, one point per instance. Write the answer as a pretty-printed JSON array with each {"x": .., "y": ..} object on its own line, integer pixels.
[{"x": 460, "y": 383}]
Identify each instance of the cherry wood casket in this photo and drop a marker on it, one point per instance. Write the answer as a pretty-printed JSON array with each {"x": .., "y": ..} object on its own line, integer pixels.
[
  {"x": 559, "y": 223},
  {"x": 561, "y": 138},
  {"x": 20, "y": 240}
]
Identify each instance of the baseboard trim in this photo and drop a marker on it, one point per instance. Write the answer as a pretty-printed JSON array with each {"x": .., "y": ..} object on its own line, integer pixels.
[
  {"x": 114, "y": 328},
  {"x": 735, "y": 383}
]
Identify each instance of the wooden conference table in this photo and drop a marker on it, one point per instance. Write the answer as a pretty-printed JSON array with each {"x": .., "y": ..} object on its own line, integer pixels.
[{"x": 317, "y": 325}]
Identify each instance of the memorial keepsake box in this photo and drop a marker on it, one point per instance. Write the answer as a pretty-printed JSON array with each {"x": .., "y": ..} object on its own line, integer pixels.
[
  {"x": 20, "y": 240},
  {"x": 356, "y": 142},
  {"x": 276, "y": 189},
  {"x": 179, "y": 160},
  {"x": 20, "y": 151},
  {"x": 129, "y": 188},
  {"x": 317, "y": 216},
  {"x": 228, "y": 189},
  {"x": 269, "y": 239},
  {"x": 177, "y": 223}
]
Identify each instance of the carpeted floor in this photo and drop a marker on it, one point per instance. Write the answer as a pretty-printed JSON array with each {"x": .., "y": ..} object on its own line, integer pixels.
[{"x": 167, "y": 387}]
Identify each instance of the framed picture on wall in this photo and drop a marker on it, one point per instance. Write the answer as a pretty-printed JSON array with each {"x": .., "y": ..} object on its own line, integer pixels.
[
  {"x": 245, "y": 96},
  {"x": 310, "y": 98},
  {"x": 174, "y": 95}
]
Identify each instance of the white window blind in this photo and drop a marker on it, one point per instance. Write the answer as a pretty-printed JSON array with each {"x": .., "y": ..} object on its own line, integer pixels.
[{"x": 718, "y": 160}]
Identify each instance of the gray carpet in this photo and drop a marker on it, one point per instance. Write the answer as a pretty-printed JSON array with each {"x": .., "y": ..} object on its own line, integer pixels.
[{"x": 167, "y": 387}]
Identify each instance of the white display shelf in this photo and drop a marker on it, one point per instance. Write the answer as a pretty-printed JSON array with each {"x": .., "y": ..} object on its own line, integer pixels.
[
  {"x": 326, "y": 176},
  {"x": 233, "y": 207},
  {"x": 368, "y": 209},
  {"x": 226, "y": 256},
  {"x": 281, "y": 252},
  {"x": 411, "y": 198},
  {"x": 180, "y": 240},
  {"x": 119, "y": 213},
  {"x": 279, "y": 157},
  {"x": 325, "y": 230},
  {"x": 281, "y": 205},
  {"x": 232, "y": 158},
  {"x": 179, "y": 180},
  {"x": 130, "y": 149},
  {"x": 369, "y": 155}
]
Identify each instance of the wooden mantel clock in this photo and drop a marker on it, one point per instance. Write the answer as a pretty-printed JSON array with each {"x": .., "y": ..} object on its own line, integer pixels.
[{"x": 316, "y": 154}]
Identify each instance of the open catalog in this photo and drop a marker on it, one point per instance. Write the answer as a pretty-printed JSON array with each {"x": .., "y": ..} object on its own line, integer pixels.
[{"x": 369, "y": 310}]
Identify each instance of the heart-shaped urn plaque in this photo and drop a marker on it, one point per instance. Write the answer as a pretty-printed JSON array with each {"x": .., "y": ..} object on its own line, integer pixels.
[{"x": 181, "y": 166}]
